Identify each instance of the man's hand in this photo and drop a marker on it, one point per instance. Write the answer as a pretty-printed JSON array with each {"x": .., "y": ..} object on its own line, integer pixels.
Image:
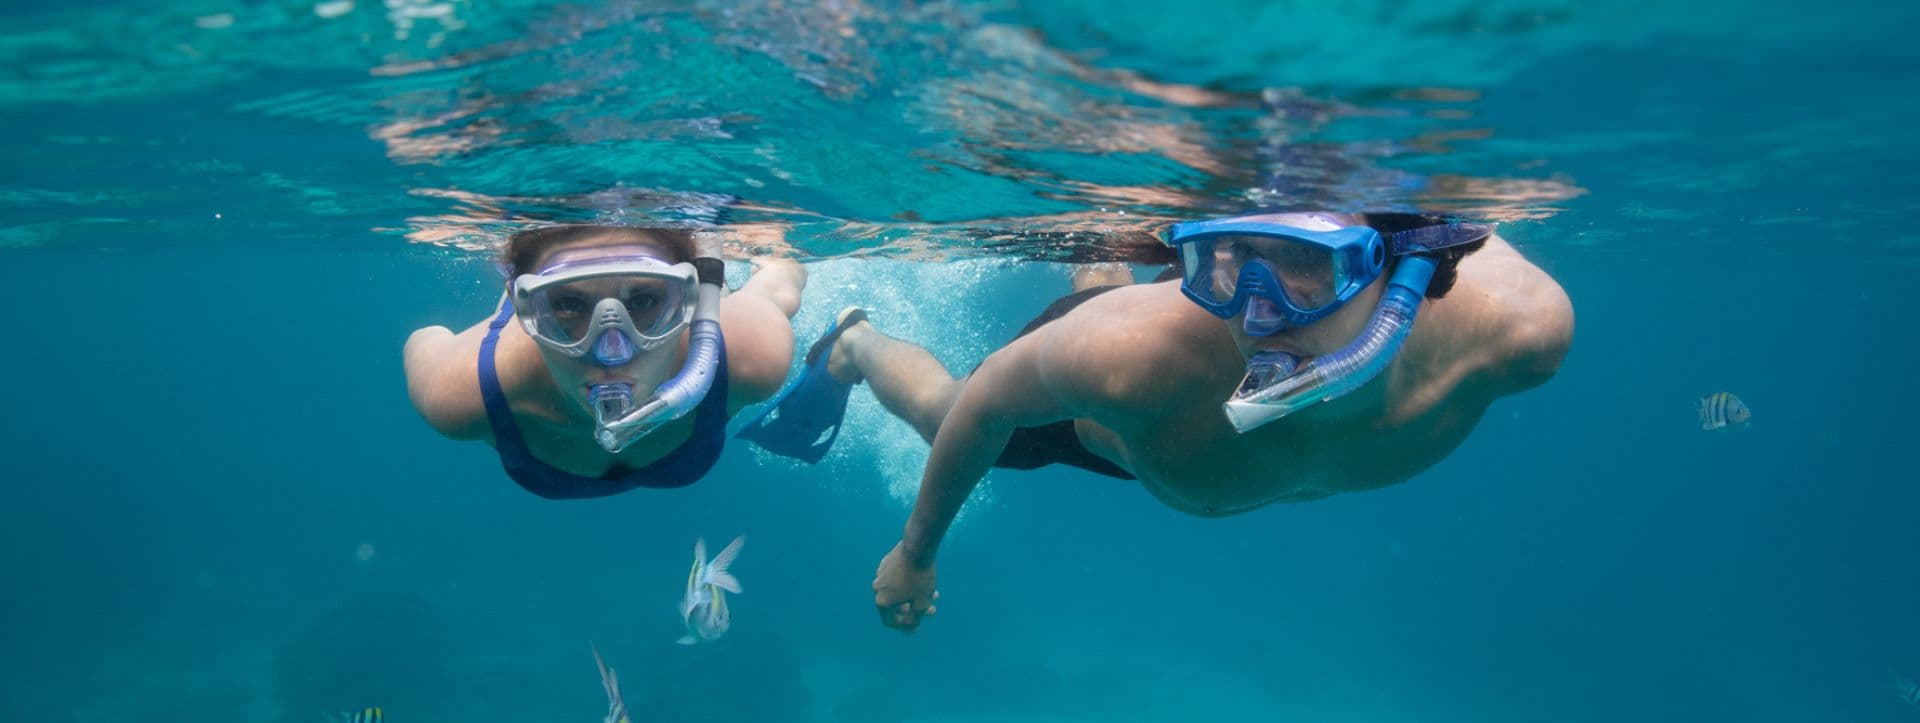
[{"x": 903, "y": 591}]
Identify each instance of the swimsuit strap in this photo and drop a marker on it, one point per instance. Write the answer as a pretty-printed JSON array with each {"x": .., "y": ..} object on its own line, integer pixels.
[{"x": 506, "y": 434}]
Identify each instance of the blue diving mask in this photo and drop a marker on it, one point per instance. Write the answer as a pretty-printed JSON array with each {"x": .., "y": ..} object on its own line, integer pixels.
[
  {"x": 1289, "y": 270},
  {"x": 1281, "y": 270}
]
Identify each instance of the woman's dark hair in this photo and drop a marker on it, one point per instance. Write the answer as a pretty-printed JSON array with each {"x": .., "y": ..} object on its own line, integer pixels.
[
  {"x": 525, "y": 248},
  {"x": 1446, "y": 270}
]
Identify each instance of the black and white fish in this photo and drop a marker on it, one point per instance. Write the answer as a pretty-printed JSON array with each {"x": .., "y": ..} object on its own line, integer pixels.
[
  {"x": 704, "y": 607},
  {"x": 1723, "y": 410},
  {"x": 364, "y": 715}
]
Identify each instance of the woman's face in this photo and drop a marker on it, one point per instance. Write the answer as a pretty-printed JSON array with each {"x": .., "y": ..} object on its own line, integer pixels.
[{"x": 645, "y": 300}]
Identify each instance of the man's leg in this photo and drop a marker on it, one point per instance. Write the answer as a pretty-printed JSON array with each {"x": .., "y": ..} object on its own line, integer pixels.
[{"x": 908, "y": 381}]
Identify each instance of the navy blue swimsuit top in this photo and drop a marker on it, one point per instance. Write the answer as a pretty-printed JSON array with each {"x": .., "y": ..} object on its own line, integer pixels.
[{"x": 681, "y": 467}]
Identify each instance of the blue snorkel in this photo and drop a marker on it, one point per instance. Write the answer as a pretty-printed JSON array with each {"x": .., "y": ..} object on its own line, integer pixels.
[
  {"x": 1274, "y": 389},
  {"x": 618, "y": 423}
]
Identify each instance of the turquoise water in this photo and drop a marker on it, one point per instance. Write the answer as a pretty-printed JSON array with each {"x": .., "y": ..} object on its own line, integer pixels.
[{"x": 220, "y": 221}]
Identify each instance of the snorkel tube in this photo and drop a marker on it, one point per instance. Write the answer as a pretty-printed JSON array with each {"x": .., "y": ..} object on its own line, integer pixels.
[
  {"x": 619, "y": 424},
  {"x": 1273, "y": 389}
]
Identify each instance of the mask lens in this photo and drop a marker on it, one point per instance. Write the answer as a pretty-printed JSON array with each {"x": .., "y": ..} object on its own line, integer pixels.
[
  {"x": 1226, "y": 262},
  {"x": 1209, "y": 272},
  {"x": 1197, "y": 271},
  {"x": 654, "y": 304},
  {"x": 1307, "y": 272},
  {"x": 564, "y": 312}
]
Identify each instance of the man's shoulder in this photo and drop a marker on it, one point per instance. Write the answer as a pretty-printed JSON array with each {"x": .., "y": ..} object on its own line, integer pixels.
[
  {"x": 1525, "y": 316},
  {"x": 1131, "y": 345},
  {"x": 1538, "y": 337}
]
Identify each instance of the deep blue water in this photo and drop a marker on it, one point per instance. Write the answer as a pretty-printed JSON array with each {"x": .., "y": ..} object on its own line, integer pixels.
[{"x": 219, "y": 232}]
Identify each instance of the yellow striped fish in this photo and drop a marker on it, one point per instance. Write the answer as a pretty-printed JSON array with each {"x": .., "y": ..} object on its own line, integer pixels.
[
  {"x": 364, "y": 715},
  {"x": 1722, "y": 410},
  {"x": 704, "y": 606}
]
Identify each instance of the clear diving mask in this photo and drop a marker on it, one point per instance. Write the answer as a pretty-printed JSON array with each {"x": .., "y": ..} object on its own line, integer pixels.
[
  {"x": 610, "y": 309},
  {"x": 1287, "y": 270}
]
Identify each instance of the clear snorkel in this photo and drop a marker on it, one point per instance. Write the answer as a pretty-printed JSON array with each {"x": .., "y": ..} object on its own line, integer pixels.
[
  {"x": 1273, "y": 388},
  {"x": 620, "y": 421}
]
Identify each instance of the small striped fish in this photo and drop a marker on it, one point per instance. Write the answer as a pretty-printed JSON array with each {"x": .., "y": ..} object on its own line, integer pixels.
[
  {"x": 704, "y": 606},
  {"x": 1722, "y": 410},
  {"x": 364, "y": 715},
  {"x": 616, "y": 708}
]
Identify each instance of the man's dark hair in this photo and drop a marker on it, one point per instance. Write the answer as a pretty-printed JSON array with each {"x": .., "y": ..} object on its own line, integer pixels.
[
  {"x": 1447, "y": 260},
  {"x": 525, "y": 248}
]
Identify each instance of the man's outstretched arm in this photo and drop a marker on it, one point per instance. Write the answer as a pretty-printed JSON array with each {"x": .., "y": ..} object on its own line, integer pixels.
[{"x": 1006, "y": 392}]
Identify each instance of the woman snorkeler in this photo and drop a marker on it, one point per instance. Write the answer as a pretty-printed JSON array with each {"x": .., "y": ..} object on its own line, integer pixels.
[{"x": 627, "y": 358}]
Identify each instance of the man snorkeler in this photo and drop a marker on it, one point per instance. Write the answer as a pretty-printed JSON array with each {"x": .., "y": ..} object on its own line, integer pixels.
[
  {"x": 627, "y": 361},
  {"x": 1302, "y": 324}
]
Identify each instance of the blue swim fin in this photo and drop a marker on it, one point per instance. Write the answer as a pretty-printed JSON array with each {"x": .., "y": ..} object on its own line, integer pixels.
[{"x": 803, "y": 420}]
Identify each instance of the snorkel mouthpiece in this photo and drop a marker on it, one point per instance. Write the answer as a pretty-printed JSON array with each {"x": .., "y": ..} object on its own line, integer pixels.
[
  {"x": 1272, "y": 389},
  {"x": 611, "y": 402},
  {"x": 617, "y": 423},
  {"x": 1265, "y": 369}
]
